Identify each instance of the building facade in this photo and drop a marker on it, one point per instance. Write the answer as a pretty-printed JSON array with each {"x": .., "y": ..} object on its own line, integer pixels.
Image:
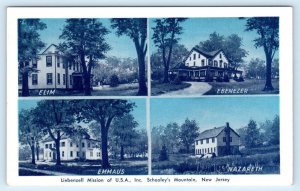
[
  {"x": 219, "y": 141},
  {"x": 52, "y": 70},
  {"x": 200, "y": 65},
  {"x": 71, "y": 149}
]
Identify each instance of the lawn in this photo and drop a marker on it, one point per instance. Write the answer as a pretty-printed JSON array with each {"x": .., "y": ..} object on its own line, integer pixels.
[
  {"x": 265, "y": 161},
  {"x": 249, "y": 86},
  {"x": 162, "y": 88},
  {"x": 130, "y": 167}
]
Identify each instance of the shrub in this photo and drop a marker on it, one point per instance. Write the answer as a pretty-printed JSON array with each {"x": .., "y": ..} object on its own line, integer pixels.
[
  {"x": 208, "y": 78},
  {"x": 226, "y": 78},
  {"x": 241, "y": 79},
  {"x": 114, "y": 81},
  {"x": 176, "y": 80},
  {"x": 163, "y": 154},
  {"x": 219, "y": 79}
]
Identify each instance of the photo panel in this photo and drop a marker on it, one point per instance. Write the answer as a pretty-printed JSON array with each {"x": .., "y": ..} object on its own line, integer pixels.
[
  {"x": 214, "y": 56},
  {"x": 82, "y": 137},
  {"x": 82, "y": 57},
  {"x": 215, "y": 136}
]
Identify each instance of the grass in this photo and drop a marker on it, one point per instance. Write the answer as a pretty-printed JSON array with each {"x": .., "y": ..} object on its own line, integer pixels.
[
  {"x": 266, "y": 158},
  {"x": 161, "y": 88},
  {"x": 121, "y": 90},
  {"x": 253, "y": 86},
  {"x": 130, "y": 167}
]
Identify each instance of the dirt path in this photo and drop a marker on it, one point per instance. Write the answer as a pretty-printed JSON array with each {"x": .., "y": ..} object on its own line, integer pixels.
[{"x": 196, "y": 89}]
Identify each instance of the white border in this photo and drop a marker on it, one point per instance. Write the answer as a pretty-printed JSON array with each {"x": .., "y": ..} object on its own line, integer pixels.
[{"x": 286, "y": 86}]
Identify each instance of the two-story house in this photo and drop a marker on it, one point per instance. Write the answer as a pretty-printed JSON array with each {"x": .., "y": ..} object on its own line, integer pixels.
[
  {"x": 53, "y": 70},
  {"x": 200, "y": 65},
  {"x": 72, "y": 148},
  {"x": 220, "y": 141}
]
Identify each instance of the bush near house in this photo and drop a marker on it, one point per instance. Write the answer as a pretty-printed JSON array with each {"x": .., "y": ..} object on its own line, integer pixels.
[{"x": 114, "y": 81}]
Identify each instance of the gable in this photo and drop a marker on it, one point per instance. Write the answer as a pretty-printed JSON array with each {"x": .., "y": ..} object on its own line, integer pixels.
[{"x": 50, "y": 49}]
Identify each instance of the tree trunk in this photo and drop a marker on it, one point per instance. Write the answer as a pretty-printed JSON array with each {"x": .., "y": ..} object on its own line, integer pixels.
[
  {"x": 25, "y": 88},
  {"x": 104, "y": 134},
  {"x": 37, "y": 152},
  {"x": 87, "y": 84},
  {"x": 122, "y": 153},
  {"x": 268, "y": 85},
  {"x": 58, "y": 161},
  {"x": 32, "y": 151},
  {"x": 166, "y": 74},
  {"x": 142, "y": 71}
]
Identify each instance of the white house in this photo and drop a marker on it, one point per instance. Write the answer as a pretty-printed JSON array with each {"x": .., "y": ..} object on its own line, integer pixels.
[
  {"x": 54, "y": 71},
  {"x": 71, "y": 149},
  {"x": 220, "y": 141},
  {"x": 199, "y": 64}
]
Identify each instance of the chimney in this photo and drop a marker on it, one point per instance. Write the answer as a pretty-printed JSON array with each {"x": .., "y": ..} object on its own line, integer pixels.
[{"x": 227, "y": 124}]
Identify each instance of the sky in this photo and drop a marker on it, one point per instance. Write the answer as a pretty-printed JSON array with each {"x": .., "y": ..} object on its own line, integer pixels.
[
  {"x": 196, "y": 30},
  {"x": 122, "y": 46},
  {"x": 212, "y": 112},
  {"x": 139, "y": 112}
]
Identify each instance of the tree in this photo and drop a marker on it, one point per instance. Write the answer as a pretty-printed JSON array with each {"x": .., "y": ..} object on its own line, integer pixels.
[
  {"x": 252, "y": 135},
  {"x": 124, "y": 131},
  {"x": 171, "y": 136},
  {"x": 179, "y": 53},
  {"x": 231, "y": 45},
  {"x": 256, "y": 68},
  {"x": 135, "y": 29},
  {"x": 271, "y": 130},
  {"x": 29, "y": 132},
  {"x": 268, "y": 30},
  {"x": 29, "y": 45},
  {"x": 189, "y": 131},
  {"x": 165, "y": 35},
  {"x": 57, "y": 119},
  {"x": 103, "y": 112},
  {"x": 85, "y": 41}
]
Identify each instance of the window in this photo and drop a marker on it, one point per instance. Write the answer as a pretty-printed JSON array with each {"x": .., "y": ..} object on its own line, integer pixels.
[
  {"x": 77, "y": 145},
  {"x": 194, "y": 63},
  {"x": 199, "y": 56},
  {"x": 224, "y": 139},
  {"x": 62, "y": 144},
  {"x": 220, "y": 55},
  {"x": 89, "y": 145},
  {"x": 201, "y": 142},
  {"x": 207, "y": 140},
  {"x": 71, "y": 153},
  {"x": 34, "y": 79},
  {"x": 194, "y": 56},
  {"x": 54, "y": 145},
  {"x": 225, "y": 65},
  {"x": 64, "y": 79},
  {"x": 58, "y": 78},
  {"x": 50, "y": 146},
  {"x": 77, "y": 154},
  {"x": 82, "y": 144},
  {"x": 70, "y": 66},
  {"x": 215, "y": 63},
  {"x": 63, "y": 154},
  {"x": 71, "y": 144},
  {"x": 83, "y": 154},
  {"x": 196, "y": 142},
  {"x": 202, "y": 73},
  {"x": 190, "y": 58},
  {"x": 58, "y": 61},
  {"x": 20, "y": 80},
  {"x": 48, "y": 61},
  {"x": 34, "y": 63},
  {"x": 91, "y": 154},
  {"x": 230, "y": 139},
  {"x": 213, "y": 140},
  {"x": 50, "y": 154},
  {"x": 64, "y": 65},
  {"x": 46, "y": 145},
  {"x": 77, "y": 66},
  {"x": 49, "y": 78},
  {"x": 205, "y": 150},
  {"x": 202, "y": 62},
  {"x": 71, "y": 81},
  {"x": 98, "y": 154},
  {"x": 221, "y": 62}
]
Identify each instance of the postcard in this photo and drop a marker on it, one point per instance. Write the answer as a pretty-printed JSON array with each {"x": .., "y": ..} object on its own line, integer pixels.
[{"x": 105, "y": 96}]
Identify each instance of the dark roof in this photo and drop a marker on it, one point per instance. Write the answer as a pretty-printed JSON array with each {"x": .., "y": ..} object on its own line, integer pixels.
[
  {"x": 211, "y": 133},
  {"x": 49, "y": 47},
  {"x": 205, "y": 53}
]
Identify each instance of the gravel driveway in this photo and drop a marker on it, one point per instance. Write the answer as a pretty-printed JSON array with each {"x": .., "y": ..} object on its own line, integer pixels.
[{"x": 196, "y": 89}]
